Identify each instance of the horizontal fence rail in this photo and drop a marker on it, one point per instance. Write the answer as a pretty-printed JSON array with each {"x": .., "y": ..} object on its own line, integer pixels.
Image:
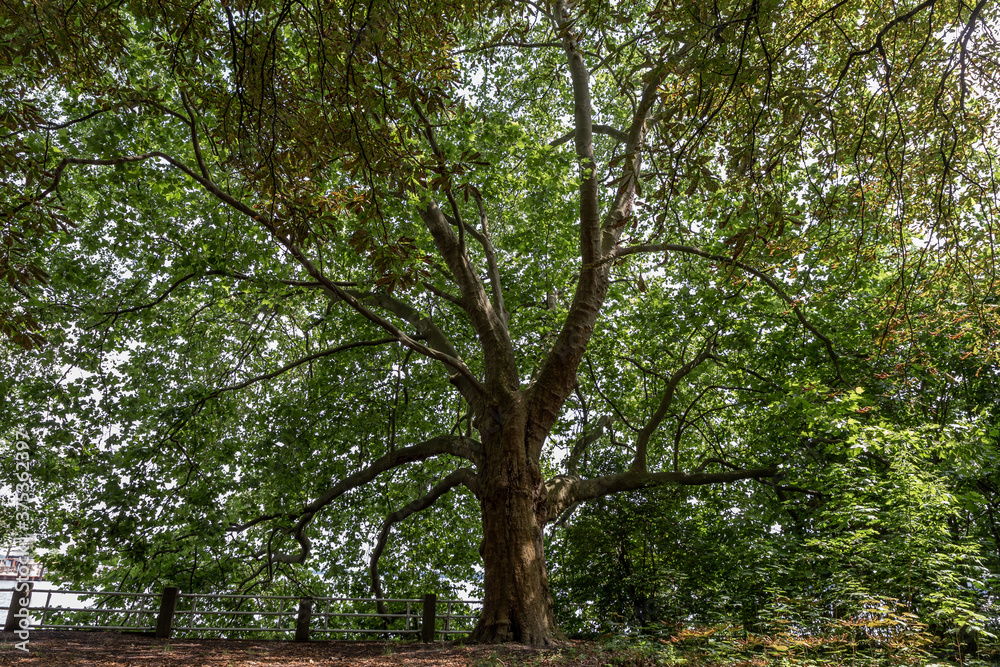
[{"x": 174, "y": 613}]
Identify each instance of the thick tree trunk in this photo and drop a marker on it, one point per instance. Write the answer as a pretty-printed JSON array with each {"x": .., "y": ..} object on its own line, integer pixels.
[{"x": 517, "y": 605}]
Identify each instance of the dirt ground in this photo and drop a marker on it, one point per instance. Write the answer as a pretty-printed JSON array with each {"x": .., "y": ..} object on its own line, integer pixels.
[{"x": 105, "y": 649}]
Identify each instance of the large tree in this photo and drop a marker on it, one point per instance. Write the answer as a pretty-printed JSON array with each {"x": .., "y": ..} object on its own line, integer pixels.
[{"x": 298, "y": 249}]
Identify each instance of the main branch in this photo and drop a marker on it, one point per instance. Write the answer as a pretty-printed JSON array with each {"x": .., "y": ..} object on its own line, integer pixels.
[
  {"x": 598, "y": 235},
  {"x": 500, "y": 365},
  {"x": 564, "y": 491}
]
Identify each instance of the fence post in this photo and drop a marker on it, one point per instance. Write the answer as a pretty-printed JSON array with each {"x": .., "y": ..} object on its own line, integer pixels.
[
  {"x": 20, "y": 600},
  {"x": 430, "y": 616},
  {"x": 168, "y": 605},
  {"x": 303, "y": 619}
]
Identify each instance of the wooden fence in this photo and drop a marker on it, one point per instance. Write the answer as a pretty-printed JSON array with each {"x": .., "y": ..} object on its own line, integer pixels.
[{"x": 174, "y": 613}]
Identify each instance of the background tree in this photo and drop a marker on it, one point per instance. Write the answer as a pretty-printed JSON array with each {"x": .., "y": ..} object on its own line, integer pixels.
[{"x": 316, "y": 244}]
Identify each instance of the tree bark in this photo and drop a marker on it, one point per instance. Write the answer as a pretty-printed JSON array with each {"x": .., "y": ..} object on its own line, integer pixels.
[{"x": 517, "y": 605}]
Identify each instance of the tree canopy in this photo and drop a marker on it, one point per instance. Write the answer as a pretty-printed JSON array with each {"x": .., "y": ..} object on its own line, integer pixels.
[{"x": 284, "y": 275}]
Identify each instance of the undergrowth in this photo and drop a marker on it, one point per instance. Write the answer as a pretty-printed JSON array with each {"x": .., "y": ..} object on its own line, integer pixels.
[
  {"x": 900, "y": 642},
  {"x": 893, "y": 641}
]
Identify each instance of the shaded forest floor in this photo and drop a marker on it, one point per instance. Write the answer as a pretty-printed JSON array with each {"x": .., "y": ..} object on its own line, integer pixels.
[{"x": 106, "y": 649}]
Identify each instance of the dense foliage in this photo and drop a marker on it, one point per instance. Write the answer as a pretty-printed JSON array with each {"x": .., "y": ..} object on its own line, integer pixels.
[
  {"x": 696, "y": 302},
  {"x": 895, "y": 543}
]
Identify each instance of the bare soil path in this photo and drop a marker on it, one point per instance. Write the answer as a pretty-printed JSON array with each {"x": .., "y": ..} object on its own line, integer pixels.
[{"x": 106, "y": 649}]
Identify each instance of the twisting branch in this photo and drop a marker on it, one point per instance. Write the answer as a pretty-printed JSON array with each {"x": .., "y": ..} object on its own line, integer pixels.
[
  {"x": 425, "y": 326},
  {"x": 464, "y": 476},
  {"x": 507, "y": 43},
  {"x": 483, "y": 238},
  {"x": 970, "y": 27},
  {"x": 305, "y": 547},
  {"x": 26, "y": 127},
  {"x": 877, "y": 44},
  {"x": 449, "y": 360},
  {"x": 113, "y": 315},
  {"x": 584, "y": 442},
  {"x": 557, "y": 375},
  {"x": 429, "y": 133},
  {"x": 642, "y": 442},
  {"x": 768, "y": 280},
  {"x": 298, "y": 362},
  {"x": 61, "y": 167},
  {"x": 193, "y": 124},
  {"x": 454, "y": 445}
]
